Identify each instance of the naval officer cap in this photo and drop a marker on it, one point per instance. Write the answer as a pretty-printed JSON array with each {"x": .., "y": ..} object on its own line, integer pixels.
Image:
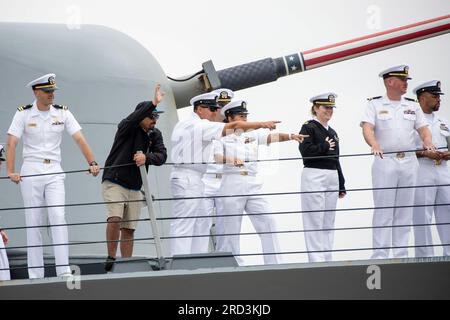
[
  {"x": 401, "y": 71},
  {"x": 207, "y": 99},
  {"x": 433, "y": 87},
  {"x": 46, "y": 83},
  {"x": 325, "y": 99},
  {"x": 224, "y": 96},
  {"x": 235, "y": 107}
]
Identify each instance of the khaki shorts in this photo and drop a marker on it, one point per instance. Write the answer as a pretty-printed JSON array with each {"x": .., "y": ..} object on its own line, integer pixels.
[{"x": 126, "y": 210}]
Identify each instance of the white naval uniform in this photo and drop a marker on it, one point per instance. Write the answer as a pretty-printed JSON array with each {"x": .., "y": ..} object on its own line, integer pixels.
[
  {"x": 212, "y": 180},
  {"x": 314, "y": 179},
  {"x": 242, "y": 181},
  {"x": 4, "y": 264},
  {"x": 433, "y": 172},
  {"x": 395, "y": 128},
  {"x": 317, "y": 175},
  {"x": 191, "y": 143},
  {"x": 42, "y": 135}
]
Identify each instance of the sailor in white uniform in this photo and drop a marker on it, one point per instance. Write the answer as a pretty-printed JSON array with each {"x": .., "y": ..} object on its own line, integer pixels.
[
  {"x": 4, "y": 264},
  {"x": 240, "y": 178},
  {"x": 433, "y": 170},
  {"x": 41, "y": 125},
  {"x": 191, "y": 148},
  {"x": 389, "y": 124},
  {"x": 212, "y": 180},
  {"x": 322, "y": 171}
]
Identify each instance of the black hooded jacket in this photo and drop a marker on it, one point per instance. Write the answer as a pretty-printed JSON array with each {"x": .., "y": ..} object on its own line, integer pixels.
[{"x": 129, "y": 139}]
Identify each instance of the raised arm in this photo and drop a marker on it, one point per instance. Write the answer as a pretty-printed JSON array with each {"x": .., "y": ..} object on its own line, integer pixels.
[
  {"x": 142, "y": 110},
  {"x": 231, "y": 127},
  {"x": 282, "y": 137}
]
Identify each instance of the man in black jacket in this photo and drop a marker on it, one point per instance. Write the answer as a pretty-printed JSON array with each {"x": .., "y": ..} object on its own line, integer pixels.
[{"x": 135, "y": 133}]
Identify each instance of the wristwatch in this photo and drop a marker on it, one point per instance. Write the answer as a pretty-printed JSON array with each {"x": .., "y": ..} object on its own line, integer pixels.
[{"x": 93, "y": 163}]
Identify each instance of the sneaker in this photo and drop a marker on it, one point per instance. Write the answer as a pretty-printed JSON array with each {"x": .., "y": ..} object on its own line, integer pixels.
[{"x": 109, "y": 263}]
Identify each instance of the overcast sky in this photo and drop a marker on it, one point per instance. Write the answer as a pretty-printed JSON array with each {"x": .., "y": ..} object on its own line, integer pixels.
[{"x": 184, "y": 34}]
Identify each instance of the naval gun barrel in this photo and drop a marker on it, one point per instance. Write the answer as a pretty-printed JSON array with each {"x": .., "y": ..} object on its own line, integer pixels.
[{"x": 270, "y": 69}]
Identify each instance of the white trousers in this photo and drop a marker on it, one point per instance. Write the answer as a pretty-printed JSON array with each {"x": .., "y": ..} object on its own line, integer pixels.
[
  {"x": 254, "y": 206},
  {"x": 203, "y": 225},
  {"x": 430, "y": 174},
  {"x": 186, "y": 183},
  {"x": 42, "y": 191},
  {"x": 319, "y": 179},
  {"x": 393, "y": 172},
  {"x": 4, "y": 264}
]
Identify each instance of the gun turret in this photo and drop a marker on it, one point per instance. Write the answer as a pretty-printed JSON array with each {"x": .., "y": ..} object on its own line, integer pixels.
[{"x": 270, "y": 69}]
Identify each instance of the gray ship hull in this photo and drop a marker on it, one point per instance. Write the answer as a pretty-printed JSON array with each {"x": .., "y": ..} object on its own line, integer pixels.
[{"x": 395, "y": 279}]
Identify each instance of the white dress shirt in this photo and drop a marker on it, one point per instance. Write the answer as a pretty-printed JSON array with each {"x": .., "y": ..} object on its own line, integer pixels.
[
  {"x": 395, "y": 123},
  {"x": 242, "y": 146},
  {"x": 192, "y": 141},
  {"x": 42, "y": 133}
]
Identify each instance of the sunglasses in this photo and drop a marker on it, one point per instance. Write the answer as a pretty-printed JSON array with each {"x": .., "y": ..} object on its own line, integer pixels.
[{"x": 212, "y": 108}]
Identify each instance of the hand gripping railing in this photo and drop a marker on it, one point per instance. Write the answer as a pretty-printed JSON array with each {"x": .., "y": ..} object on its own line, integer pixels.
[{"x": 152, "y": 216}]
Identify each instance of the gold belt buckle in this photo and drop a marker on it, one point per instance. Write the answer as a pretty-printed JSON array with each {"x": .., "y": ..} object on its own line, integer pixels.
[
  {"x": 438, "y": 162},
  {"x": 244, "y": 173},
  {"x": 400, "y": 155},
  {"x": 46, "y": 161}
]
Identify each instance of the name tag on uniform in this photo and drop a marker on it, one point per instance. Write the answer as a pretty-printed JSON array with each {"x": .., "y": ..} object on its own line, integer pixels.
[
  {"x": 383, "y": 112},
  {"x": 57, "y": 123},
  {"x": 32, "y": 125},
  {"x": 248, "y": 140},
  {"x": 409, "y": 111}
]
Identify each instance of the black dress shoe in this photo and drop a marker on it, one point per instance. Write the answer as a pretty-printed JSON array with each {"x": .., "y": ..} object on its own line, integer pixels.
[{"x": 109, "y": 263}]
